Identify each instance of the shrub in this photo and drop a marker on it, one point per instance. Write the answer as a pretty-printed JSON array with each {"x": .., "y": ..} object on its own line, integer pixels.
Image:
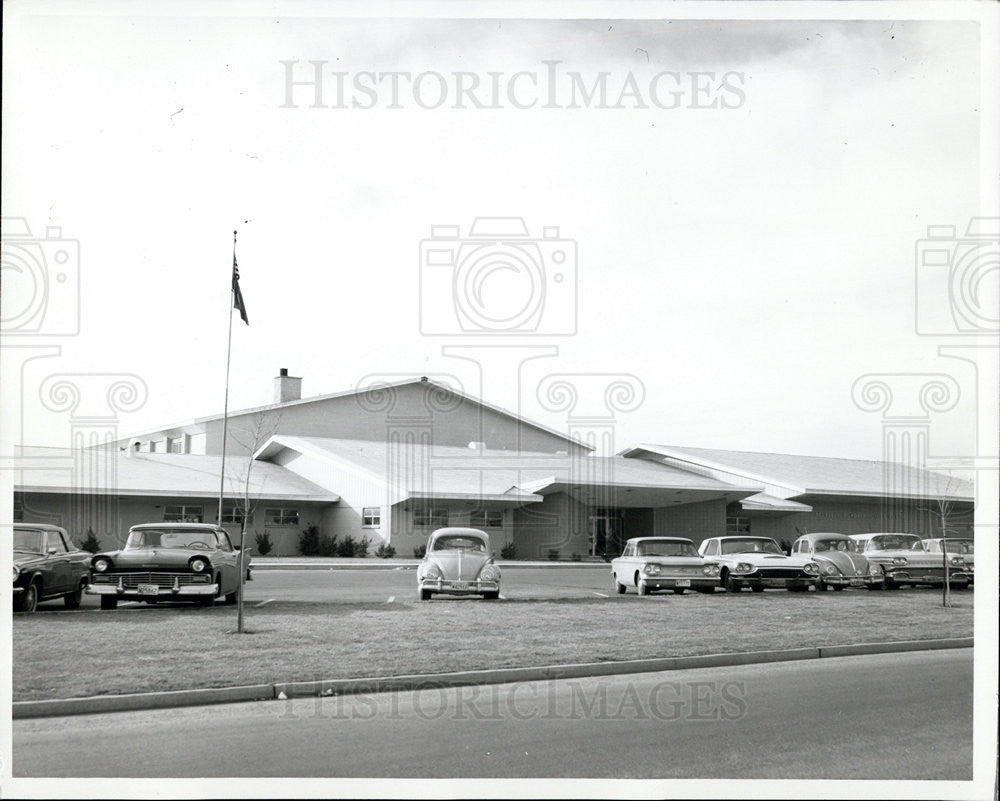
[
  {"x": 575, "y": 557},
  {"x": 264, "y": 544},
  {"x": 553, "y": 554},
  {"x": 420, "y": 552},
  {"x": 309, "y": 541},
  {"x": 328, "y": 545},
  {"x": 91, "y": 543},
  {"x": 347, "y": 547},
  {"x": 385, "y": 551},
  {"x": 509, "y": 551},
  {"x": 361, "y": 547}
]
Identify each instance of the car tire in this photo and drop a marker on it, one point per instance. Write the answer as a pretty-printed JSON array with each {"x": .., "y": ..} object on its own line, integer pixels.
[
  {"x": 642, "y": 587},
  {"x": 838, "y": 587},
  {"x": 28, "y": 602},
  {"x": 706, "y": 590},
  {"x": 109, "y": 602},
  {"x": 491, "y": 596},
  {"x": 820, "y": 585},
  {"x": 424, "y": 595},
  {"x": 618, "y": 587},
  {"x": 757, "y": 588},
  {"x": 206, "y": 600},
  {"x": 731, "y": 585},
  {"x": 231, "y": 598},
  {"x": 678, "y": 590},
  {"x": 73, "y": 600}
]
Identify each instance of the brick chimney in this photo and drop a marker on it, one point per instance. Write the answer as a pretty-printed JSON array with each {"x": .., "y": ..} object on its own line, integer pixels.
[{"x": 286, "y": 387}]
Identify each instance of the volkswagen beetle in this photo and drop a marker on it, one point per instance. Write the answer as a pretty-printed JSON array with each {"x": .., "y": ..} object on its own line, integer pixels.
[
  {"x": 458, "y": 561},
  {"x": 168, "y": 562},
  {"x": 840, "y": 562}
]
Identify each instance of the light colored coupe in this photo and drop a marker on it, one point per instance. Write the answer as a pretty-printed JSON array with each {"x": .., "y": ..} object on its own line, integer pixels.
[
  {"x": 662, "y": 563},
  {"x": 902, "y": 564},
  {"x": 458, "y": 561},
  {"x": 840, "y": 562},
  {"x": 758, "y": 563}
]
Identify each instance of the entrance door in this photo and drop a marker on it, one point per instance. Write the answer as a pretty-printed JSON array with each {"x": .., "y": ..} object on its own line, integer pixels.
[{"x": 604, "y": 535}]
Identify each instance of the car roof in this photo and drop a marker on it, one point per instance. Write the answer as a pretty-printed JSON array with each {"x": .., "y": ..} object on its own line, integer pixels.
[
  {"x": 39, "y": 527},
  {"x": 192, "y": 526},
  {"x": 658, "y": 539},
  {"x": 815, "y": 535},
  {"x": 460, "y": 531},
  {"x": 744, "y": 537}
]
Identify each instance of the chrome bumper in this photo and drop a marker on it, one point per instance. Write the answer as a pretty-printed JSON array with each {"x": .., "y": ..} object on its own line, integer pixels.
[
  {"x": 458, "y": 587},
  {"x": 187, "y": 591},
  {"x": 679, "y": 582}
]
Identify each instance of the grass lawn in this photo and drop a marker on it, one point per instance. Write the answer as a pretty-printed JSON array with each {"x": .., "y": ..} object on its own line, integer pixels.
[{"x": 136, "y": 649}]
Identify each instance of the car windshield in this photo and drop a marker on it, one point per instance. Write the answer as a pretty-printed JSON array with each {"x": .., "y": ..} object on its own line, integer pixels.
[
  {"x": 892, "y": 542},
  {"x": 849, "y": 546},
  {"x": 751, "y": 545},
  {"x": 461, "y": 543},
  {"x": 665, "y": 548},
  {"x": 959, "y": 546},
  {"x": 29, "y": 541},
  {"x": 171, "y": 538}
]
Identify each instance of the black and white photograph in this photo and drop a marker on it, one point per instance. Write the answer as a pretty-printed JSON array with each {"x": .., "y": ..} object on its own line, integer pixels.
[{"x": 477, "y": 399}]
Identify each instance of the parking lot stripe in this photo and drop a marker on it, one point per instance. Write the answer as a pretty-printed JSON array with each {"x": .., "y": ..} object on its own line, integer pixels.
[
  {"x": 258, "y": 606},
  {"x": 599, "y": 594},
  {"x": 391, "y": 599}
]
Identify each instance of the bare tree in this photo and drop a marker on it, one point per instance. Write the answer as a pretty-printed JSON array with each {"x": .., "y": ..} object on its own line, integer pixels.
[
  {"x": 259, "y": 429},
  {"x": 944, "y": 509}
]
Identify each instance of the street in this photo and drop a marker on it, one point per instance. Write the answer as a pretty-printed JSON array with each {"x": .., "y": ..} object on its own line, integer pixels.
[{"x": 867, "y": 717}]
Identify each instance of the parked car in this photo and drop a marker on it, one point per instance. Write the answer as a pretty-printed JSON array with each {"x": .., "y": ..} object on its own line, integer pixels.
[
  {"x": 758, "y": 563},
  {"x": 902, "y": 564},
  {"x": 47, "y": 565},
  {"x": 956, "y": 546},
  {"x": 840, "y": 562},
  {"x": 659, "y": 563},
  {"x": 458, "y": 561},
  {"x": 168, "y": 562}
]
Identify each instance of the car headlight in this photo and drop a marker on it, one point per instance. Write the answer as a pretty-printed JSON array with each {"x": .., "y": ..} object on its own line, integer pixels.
[
  {"x": 101, "y": 564},
  {"x": 490, "y": 573},
  {"x": 743, "y": 567},
  {"x": 199, "y": 565},
  {"x": 874, "y": 569},
  {"x": 651, "y": 570},
  {"x": 432, "y": 572},
  {"x": 957, "y": 560},
  {"x": 899, "y": 560},
  {"x": 830, "y": 570},
  {"x": 710, "y": 570},
  {"x": 811, "y": 568},
  {"x": 17, "y": 572}
]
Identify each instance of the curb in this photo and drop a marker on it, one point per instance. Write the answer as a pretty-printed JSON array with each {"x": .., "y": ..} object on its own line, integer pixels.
[
  {"x": 408, "y": 565},
  {"x": 283, "y": 690}
]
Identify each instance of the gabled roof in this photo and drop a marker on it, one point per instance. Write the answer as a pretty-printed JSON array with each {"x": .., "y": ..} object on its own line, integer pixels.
[
  {"x": 817, "y": 475},
  {"x": 437, "y": 471},
  {"x": 199, "y": 421},
  {"x": 160, "y": 474}
]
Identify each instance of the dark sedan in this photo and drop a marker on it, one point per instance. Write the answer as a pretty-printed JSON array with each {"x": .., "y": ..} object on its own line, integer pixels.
[{"x": 47, "y": 565}]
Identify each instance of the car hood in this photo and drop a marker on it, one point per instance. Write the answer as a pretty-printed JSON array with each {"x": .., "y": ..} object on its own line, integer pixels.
[
  {"x": 139, "y": 558},
  {"x": 766, "y": 559},
  {"x": 459, "y": 565},
  {"x": 692, "y": 561},
  {"x": 26, "y": 558},
  {"x": 850, "y": 564}
]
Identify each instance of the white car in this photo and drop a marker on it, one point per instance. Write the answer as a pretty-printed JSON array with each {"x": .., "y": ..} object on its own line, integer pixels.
[
  {"x": 955, "y": 546},
  {"x": 658, "y": 563},
  {"x": 758, "y": 563}
]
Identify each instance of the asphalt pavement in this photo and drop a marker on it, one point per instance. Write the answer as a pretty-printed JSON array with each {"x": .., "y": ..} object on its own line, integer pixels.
[{"x": 864, "y": 717}]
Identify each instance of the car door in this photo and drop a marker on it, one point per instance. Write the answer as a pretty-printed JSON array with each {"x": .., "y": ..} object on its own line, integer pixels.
[
  {"x": 59, "y": 572},
  {"x": 225, "y": 557}
]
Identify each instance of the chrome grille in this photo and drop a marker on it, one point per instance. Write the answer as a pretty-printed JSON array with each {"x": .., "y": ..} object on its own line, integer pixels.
[{"x": 133, "y": 580}]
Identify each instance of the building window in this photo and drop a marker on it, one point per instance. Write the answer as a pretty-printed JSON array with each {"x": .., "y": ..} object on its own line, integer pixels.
[
  {"x": 182, "y": 514},
  {"x": 430, "y": 517},
  {"x": 371, "y": 517},
  {"x": 282, "y": 517},
  {"x": 234, "y": 514},
  {"x": 18, "y": 510},
  {"x": 176, "y": 445},
  {"x": 486, "y": 519},
  {"x": 737, "y": 525}
]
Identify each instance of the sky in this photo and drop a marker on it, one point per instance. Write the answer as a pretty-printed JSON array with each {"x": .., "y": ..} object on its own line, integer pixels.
[{"x": 736, "y": 226}]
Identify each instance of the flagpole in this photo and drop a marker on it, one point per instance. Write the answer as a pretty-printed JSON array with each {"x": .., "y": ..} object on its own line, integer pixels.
[{"x": 225, "y": 407}]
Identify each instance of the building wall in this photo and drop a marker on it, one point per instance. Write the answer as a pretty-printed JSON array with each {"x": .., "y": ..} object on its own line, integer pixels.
[
  {"x": 637, "y": 523},
  {"x": 373, "y": 416},
  {"x": 407, "y": 536},
  {"x": 696, "y": 521},
  {"x": 54, "y": 508},
  {"x": 559, "y": 523}
]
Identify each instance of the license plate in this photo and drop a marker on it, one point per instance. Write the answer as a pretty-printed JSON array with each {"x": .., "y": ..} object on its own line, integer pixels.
[
  {"x": 149, "y": 589},
  {"x": 682, "y": 583},
  {"x": 856, "y": 582},
  {"x": 460, "y": 585}
]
